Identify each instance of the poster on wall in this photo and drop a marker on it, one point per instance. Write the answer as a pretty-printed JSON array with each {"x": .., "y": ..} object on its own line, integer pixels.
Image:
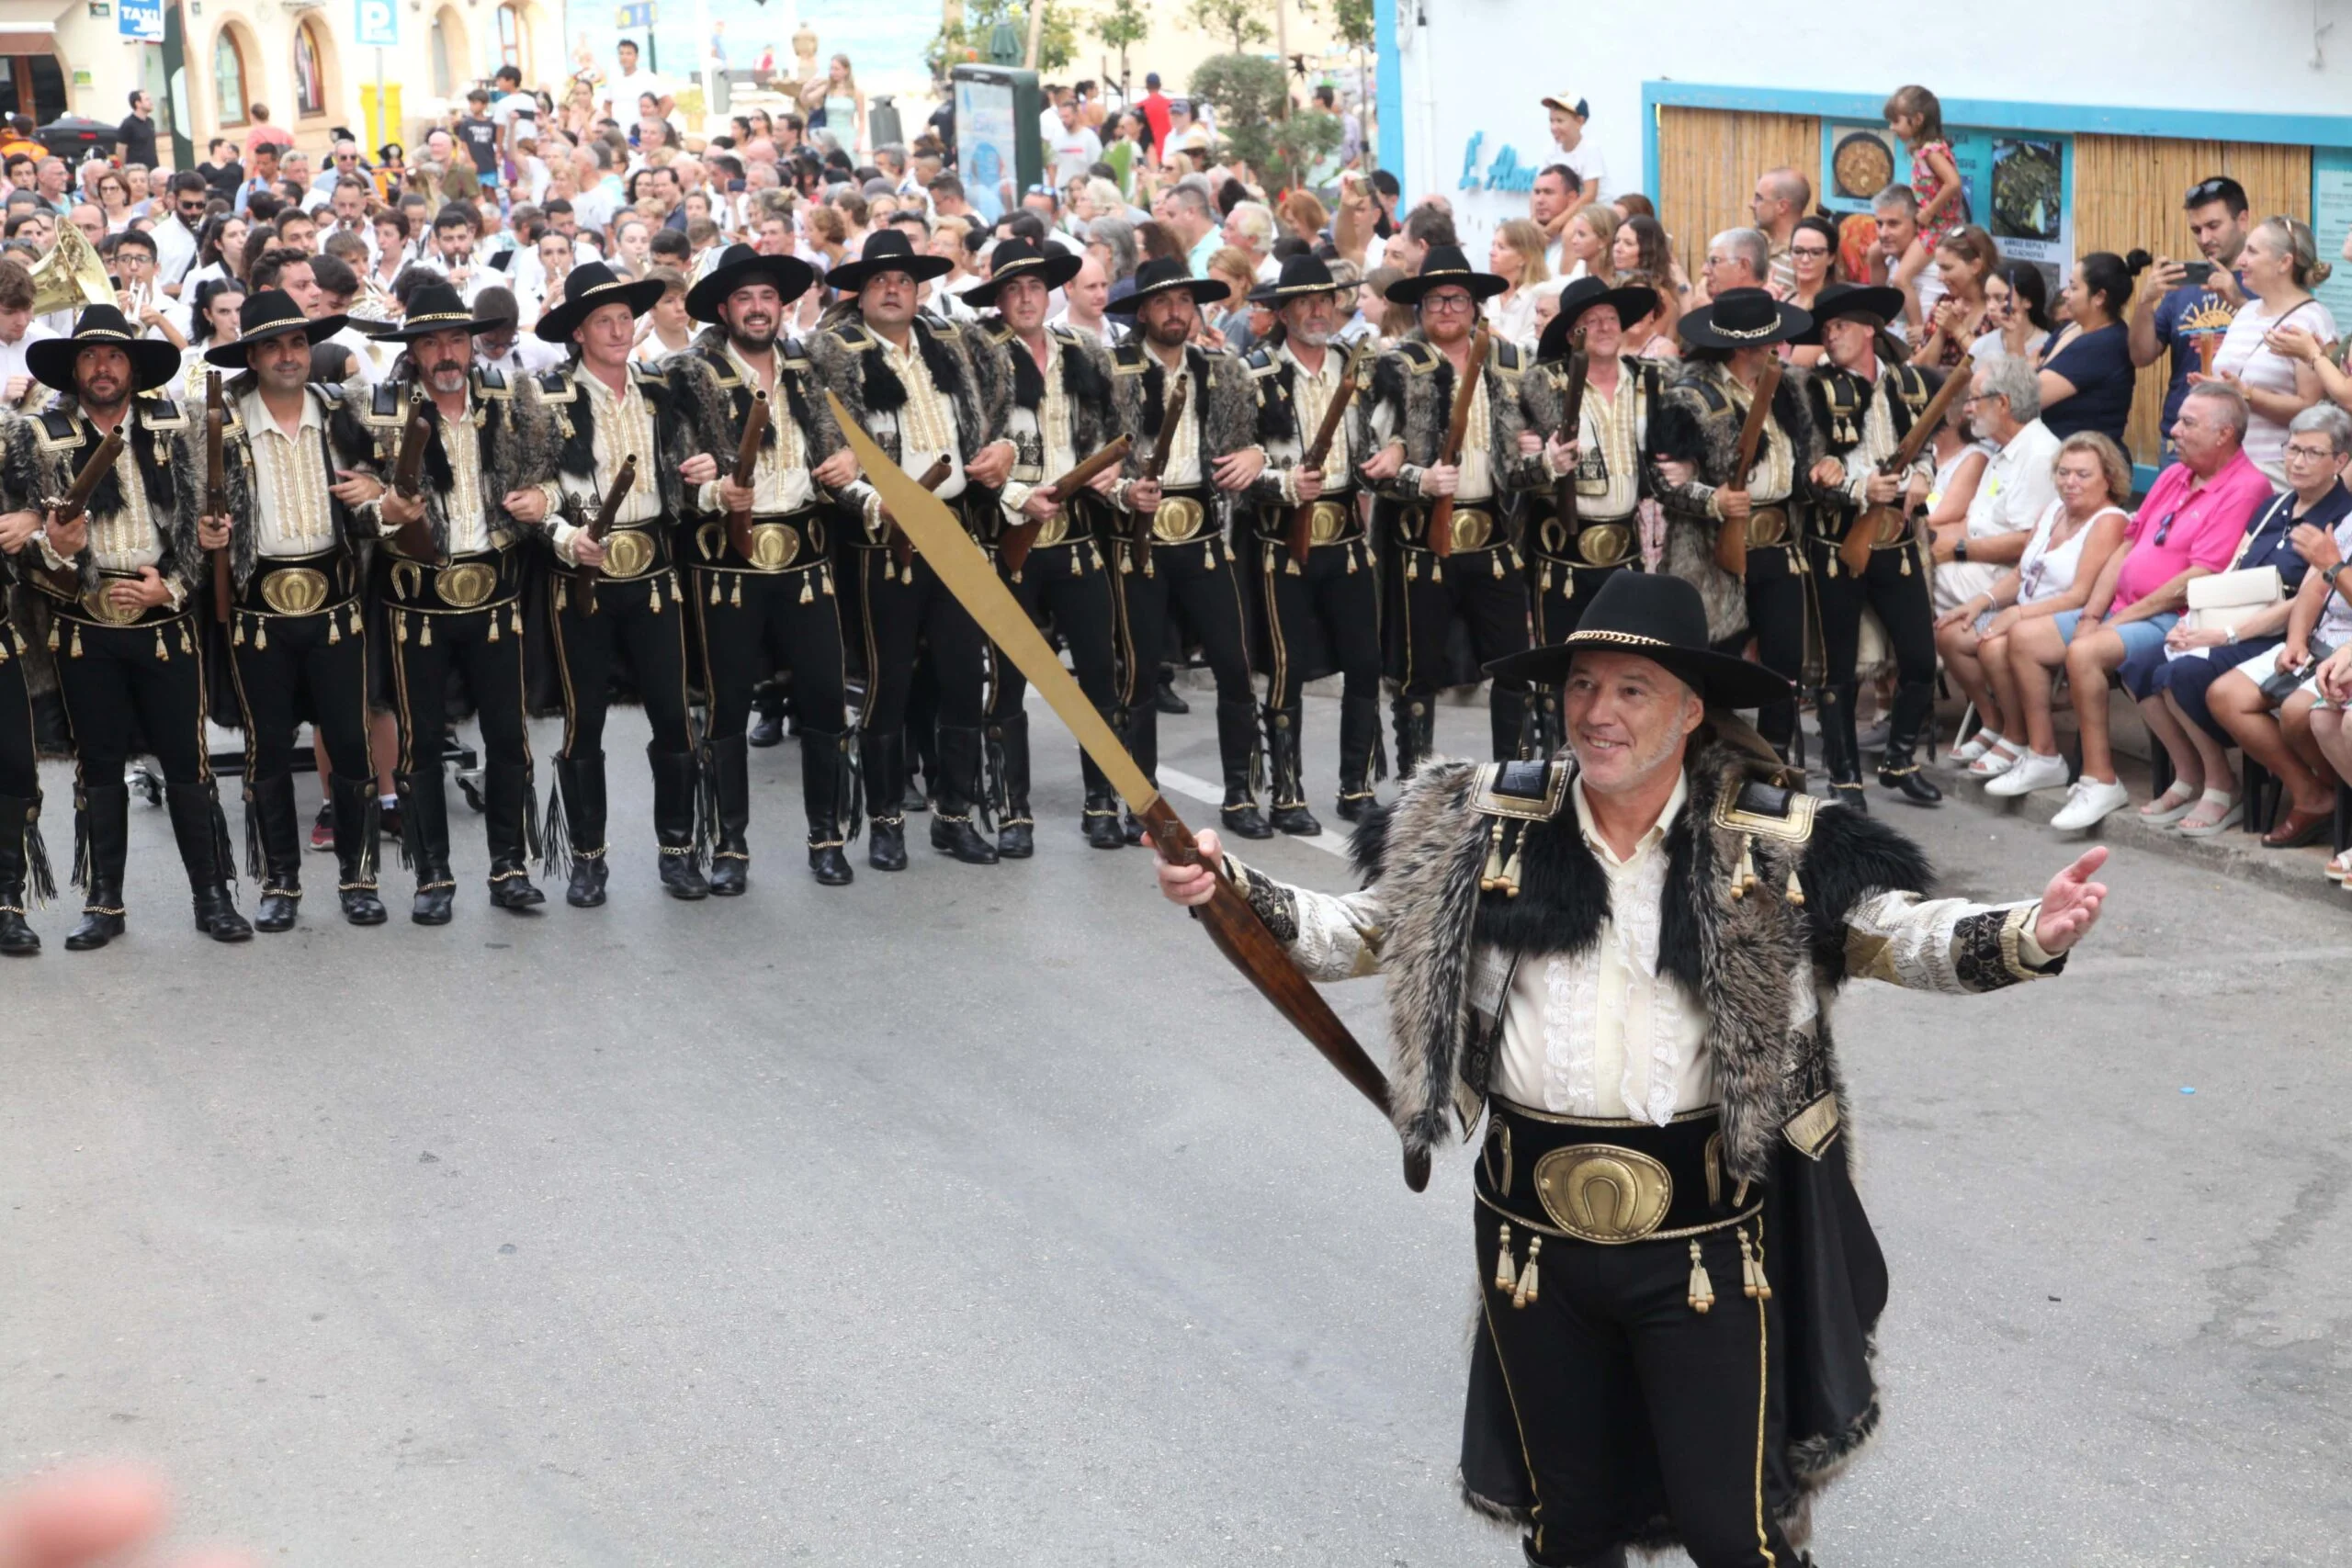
[
  {"x": 1857, "y": 162},
  {"x": 2018, "y": 185},
  {"x": 2331, "y": 219}
]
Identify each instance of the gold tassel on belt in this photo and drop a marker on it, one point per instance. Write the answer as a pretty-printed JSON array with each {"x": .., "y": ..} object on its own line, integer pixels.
[
  {"x": 1506, "y": 1277},
  {"x": 808, "y": 589},
  {"x": 1751, "y": 1272},
  {"x": 1527, "y": 1287},
  {"x": 1702, "y": 1290},
  {"x": 425, "y": 633},
  {"x": 493, "y": 626}
]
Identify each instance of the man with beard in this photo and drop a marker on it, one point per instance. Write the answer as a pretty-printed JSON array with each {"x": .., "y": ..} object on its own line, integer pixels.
[
  {"x": 620, "y": 594},
  {"x": 1601, "y": 457},
  {"x": 920, "y": 387},
  {"x": 1323, "y": 613},
  {"x": 1481, "y": 576},
  {"x": 1863, "y": 402},
  {"x": 297, "y": 641},
  {"x": 123, "y": 579},
  {"x": 449, "y": 582},
  {"x": 1174, "y": 548},
  {"x": 776, "y": 605},
  {"x": 1061, "y": 413}
]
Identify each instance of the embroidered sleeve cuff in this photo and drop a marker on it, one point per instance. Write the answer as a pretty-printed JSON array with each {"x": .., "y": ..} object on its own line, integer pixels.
[
  {"x": 178, "y": 591},
  {"x": 1276, "y": 904},
  {"x": 564, "y": 533},
  {"x": 1016, "y": 496},
  {"x": 706, "y": 496},
  {"x": 2028, "y": 961},
  {"x": 1409, "y": 478},
  {"x": 1707, "y": 493},
  {"x": 49, "y": 558},
  {"x": 1286, "y": 483}
]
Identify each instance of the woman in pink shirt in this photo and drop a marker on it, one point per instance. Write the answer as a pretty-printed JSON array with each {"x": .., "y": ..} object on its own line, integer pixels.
[{"x": 2189, "y": 527}]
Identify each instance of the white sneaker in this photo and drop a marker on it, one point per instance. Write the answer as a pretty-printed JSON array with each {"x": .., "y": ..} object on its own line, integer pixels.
[
  {"x": 2031, "y": 772},
  {"x": 2088, "y": 802}
]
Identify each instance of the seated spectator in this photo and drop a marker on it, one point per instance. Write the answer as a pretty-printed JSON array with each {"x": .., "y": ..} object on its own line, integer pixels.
[
  {"x": 2003, "y": 410},
  {"x": 2019, "y": 302},
  {"x": 2086, "y": 370},
  {"x": 1987, "y": 638},
  {"x": 2279, "y": 266},
  {"x": 2188, "y": 525},
  {"x": 2264, "y": 701},
  {"x": 1965, "y": 259},
  {"x": 2332, "y": 684}
]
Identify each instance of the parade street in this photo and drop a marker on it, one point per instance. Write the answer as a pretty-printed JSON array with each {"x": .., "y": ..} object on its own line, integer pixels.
[{"x": 983, "y": 1216}]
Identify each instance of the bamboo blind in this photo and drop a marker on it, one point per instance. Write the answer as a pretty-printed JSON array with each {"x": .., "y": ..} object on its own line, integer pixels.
[
  {"x": 2127, "y": 194},
  {"x": 1708, "y": 161}
]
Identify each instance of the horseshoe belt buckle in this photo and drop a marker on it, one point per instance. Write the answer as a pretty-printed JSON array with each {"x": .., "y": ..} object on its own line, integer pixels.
[
  {"x": 1601, "y": 1192},
  {"x": 629, "y": 552},
  {"x": 295, "y": 591},
  {"x": 1179, "y": 518},
  {"x": 1767, "y": 525}
]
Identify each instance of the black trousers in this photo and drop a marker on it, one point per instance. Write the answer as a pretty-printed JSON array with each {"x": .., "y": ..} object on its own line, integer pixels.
[
  {"x": 1197, "y": 579},
  {"x": 1900, "y": 598},
  {"x": 485, "y": 646},
  {"x": 912, "y": 611},
  {"x": 1614, "y": 1380},
  {"x": 19, "y": 757},
  {"x": 1489, "y": 589},
  {"x": 1069, "y": 582},
  {"x": 1776, "y": 616},
  {"x": 644, "y": 616},
  {"x": 288, "y": 666},
  {"x": 789, "y": 620},
  {"x": 1336, "y": 593},
  {"x": 146, "y": 682}
]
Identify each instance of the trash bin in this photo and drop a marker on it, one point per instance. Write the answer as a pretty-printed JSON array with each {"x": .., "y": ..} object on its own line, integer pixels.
[{"x": 882, "y": 122}]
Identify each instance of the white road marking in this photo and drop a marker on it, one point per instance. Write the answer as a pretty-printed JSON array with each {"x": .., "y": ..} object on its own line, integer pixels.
[{"x": 1207, "y": 793}]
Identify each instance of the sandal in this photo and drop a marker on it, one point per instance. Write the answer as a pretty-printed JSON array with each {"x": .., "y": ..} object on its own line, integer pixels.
[
  {"x": 2197, "y": 826},
  {"x": 2172, "y": 806},
  {"x": 1963, "y": 752},
  {"x": 2339, "y": 869},
  {"x": 2003, "y": 755}
]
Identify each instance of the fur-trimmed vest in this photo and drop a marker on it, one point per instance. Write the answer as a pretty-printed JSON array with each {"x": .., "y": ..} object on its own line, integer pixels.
[
  {"x": 242, "y": 492},
  {"x": 1412, "y": 398},
  {"x": 851, "y": 363},
  {"x": 515, "y": 436},
  {"x": 1697, "y": 420},
  {"x": 1274, "y": 376},
  {"x": 41, "y": 453},
  {"x": 722, "y": 397},
  {"x": 1862, "y": 422},
  {"x": 1086, "y": 391},
  {"x": 679, "y": 425},
  {"x": 1223, "y": 408}
]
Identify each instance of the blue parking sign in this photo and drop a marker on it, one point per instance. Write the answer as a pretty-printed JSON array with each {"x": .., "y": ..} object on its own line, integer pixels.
[{"x": 378, "y": 25}]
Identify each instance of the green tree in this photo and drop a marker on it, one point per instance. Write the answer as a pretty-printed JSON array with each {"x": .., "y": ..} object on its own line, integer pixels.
[
  {"x": 951, "y": 46},
  {"x": 1243, "y": 21},
  {"x": 1250, "y": 93},
  {"x": 1124, "y": 26},
  {"x": 1352, "y": 23}
]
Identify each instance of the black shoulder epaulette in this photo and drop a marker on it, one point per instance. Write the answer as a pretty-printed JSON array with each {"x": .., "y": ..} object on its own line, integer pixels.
[
  {"x": 330, "y": 396},
  {"x": 997, "y": 330},
  {"x": 941, "y": 327},
  {"x": 384, "y": 401},
  {"x": 852, "y": 335},
  {"x": 1507, "y": 358},
  {"x": 1419, "y": 358},
  {"x": 555, "y": 383},
  {"x": 1717, "y": 402},
  {"x": 1261, "y": 362},
  {"x": 490, "y": 382},
  {"x": 1127, "y": 359},
  {"x": 58, "y": 429},
  {"x": 161, "y": 412},
  {"x": 1768, "y": 809},
  {"x": 1911, "y": 386},
  {"x": 1530, "y": 792},
  {"x": 1067, "y": 334}
]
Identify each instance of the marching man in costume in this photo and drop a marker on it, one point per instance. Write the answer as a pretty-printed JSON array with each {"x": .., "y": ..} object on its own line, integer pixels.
[
  {"x": 24, "y": 858},
  {"x": 779, "y": 601},
  {"x": 449, "y": 578},
  {"x": 125, "y": 581},
  {"x": 297, "y": 642},
  {"x": 1622, "y": 960}
]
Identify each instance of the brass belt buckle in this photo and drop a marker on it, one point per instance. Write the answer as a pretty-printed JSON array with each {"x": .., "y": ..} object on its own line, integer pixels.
[
  {"x": 629, "y": 552},
  {"x": 1325, "y": 523},
  {"x": 1180, "y": 517},
  {"x": 295, "y": 591},
  {"x": 1767, "y": 526},
  {"x": 1054, "y": 530},
  {"x": 1602, "y": 1193},
  {"x": 100, "y": 605},
  {"x": 775, "y": 546},
  {"x": 1604, "y": 543},
  {"x": 467, "y": 584},
  {"x": 1473, "y": 529}
]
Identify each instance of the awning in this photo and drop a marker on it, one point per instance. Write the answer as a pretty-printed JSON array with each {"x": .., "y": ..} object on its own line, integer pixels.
[{"x": 29, "y": 27}]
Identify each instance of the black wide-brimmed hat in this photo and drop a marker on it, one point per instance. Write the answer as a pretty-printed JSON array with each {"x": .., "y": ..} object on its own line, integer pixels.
[
  {"x": 1659, "y": 618},
  {"x": 740, "y": 266},
  {"x": 1880, "y": 303},
  {"x": 590, "y": 287},
  {"x": 1743, "y": 318},
  {"x": 1169, "y": 276},
  {"x": 1632, "y": 303},
  {"x": 1019, "y": 258},
  {"x": 434, "y": 307},
  {"x": 888, "y": 250},
  {"x": 1303, "y": 277},
  {"x": 267, "y": 313},
  {"x": 152, "y": 361},
  {"x": 1444, "y": 267}
]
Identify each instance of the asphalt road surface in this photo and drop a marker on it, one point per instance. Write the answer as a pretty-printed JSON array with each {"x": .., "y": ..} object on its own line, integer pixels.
[{"x": 982, "y": 1216}]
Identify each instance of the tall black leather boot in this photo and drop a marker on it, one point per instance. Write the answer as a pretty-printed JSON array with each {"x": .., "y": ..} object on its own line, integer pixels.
[
  {"x": 19, "y": 823},
  {"x": 885, "y": 786},
  {"x": 1236, "y": 749},
  {"x": 507, "y": 810},
  {"x": 1286, "y": 788},
  {"x": 203, "y": 837},
  {"x": 923, "y": 753},
  {"x": 1915, "y": 703},
  {"x": 580, "y": 787},
  {"x": 730, "y": 764},
  {"x": 767, "y": 726},
  {"x": 1505, "y": 720},
  {"x": 1008, "y": 759},
  {"x": 1544, "y": 738},
  {"x": 829, "y": 788},
  {"x": 953, "y": 830},
  {"x": 424, "y": 839},
  {"x": 677, "y": 777},
  {"x": 272, "y": 812},
  {"x": 1359, "y": 753},
  {"x": 1841, "y": 759},
  {"x": 1100, "y": 820},
  {"x": 355, "y": 807},
  {"x": 1139, "y": 727},
  {"x": 102, "y": 835},
  {"x": 1416, "y": 733}
]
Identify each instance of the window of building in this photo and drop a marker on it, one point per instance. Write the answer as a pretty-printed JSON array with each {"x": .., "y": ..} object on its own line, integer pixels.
[
  {"x": 228, "y": 97},
  {"x": 310, "y": 70},
  {"x": 446, "y": 49},
  {"x": 513, "y": 36}
]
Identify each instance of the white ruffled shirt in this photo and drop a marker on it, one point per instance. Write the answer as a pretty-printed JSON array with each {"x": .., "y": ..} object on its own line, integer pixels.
[{"x": 1604, "y": 1032}]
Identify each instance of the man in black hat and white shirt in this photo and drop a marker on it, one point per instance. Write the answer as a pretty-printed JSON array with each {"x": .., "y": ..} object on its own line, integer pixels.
[
  {"x": 926, "y": 393},
  {"x": 1173, "y": 547},
  {"x": 448, "y": 581},
  {"x": 620, "y": 592},
  {"x": 123, "y": 581},
  {"x": 296, "y": 637},
  {"x": 777, "y": 605},
  {"x": 1061, "y": 413},
  {"x": 1678, "y": 1287},
  {"x": 1474, "y": 570},
  {"x": 1323, "y": 613}
]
